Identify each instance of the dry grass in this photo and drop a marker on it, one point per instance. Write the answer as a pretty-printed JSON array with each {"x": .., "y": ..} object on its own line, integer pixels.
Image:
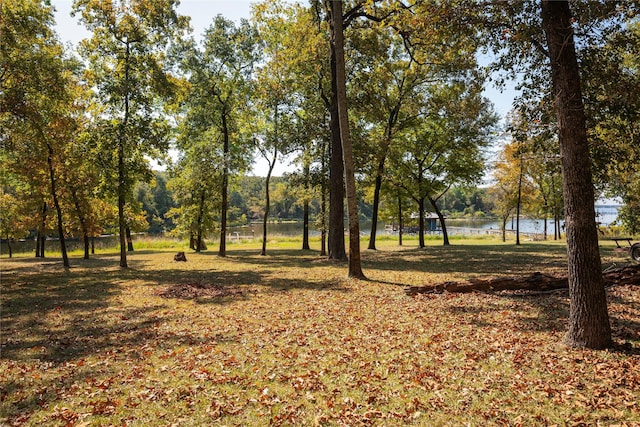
[{"x": 286, "y": 340}]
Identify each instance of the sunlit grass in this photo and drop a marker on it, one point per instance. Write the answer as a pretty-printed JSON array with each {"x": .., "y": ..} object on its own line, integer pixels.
[{"x": 289, "y": 340}]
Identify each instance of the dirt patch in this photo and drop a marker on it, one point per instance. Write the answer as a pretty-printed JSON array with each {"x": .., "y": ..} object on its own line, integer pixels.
[{"x": 201, "y": 290}]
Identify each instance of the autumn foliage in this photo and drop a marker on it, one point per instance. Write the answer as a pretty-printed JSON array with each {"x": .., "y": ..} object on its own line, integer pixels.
[{"x": 287, "y": 340}]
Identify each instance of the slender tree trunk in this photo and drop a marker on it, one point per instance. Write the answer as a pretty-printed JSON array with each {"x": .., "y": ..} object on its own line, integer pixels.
[
  {"x": 40, "y": 237},
  {"x": 588, "y": 318},
  {"x": 222, "y": 251},
  {"x": 83, "y": 222},
  {"x": 355, "y": 267},
  {"x": 129, "y": 239},
  {"x": 400, "y": 221},
  {"x": 519, "y": 202},
  {"x": 376, "y": 205},
  {"x": 421, "y": 223},
  {"x": 93, "y": 245},
  {"x": 56, "y": 204},
  {"x": 9, "y": 247},
  {"x": 445, "y": 235},
  {"x": 198, "y": 242},
  {"x": 323, "y": 211},
  {"x": 305, "y": 227},
  {"x": 504, "y": 228},
  {"x": 122, "y": 178},
  {"x": 267, "y": 205},
  {"x": 337, "y": 249}
]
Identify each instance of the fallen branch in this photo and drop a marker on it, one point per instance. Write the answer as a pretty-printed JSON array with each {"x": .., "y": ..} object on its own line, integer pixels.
[{"x": 627, "y": 275}]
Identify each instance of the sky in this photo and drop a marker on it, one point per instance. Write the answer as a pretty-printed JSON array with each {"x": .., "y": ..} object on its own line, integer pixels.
[{"x": 202, "y": 13}]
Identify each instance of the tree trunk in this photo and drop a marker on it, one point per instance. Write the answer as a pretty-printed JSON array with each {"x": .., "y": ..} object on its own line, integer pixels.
[
  {"x": 40, "y": 237},
  {"x": 421, "y": 223},
  {"x": 9, "y": 247},
  {"x": 588, "y": 317},
  {"x": 504, "y": 228},
  {"x": 355, "y": 267},
  {"x": 376, "y": 205},
  {"x": 222, "y": 251},
  {"x": 83, "y": 223},
  {"x": 519, "y": 202},
  {"x": 445, "y": 235},
  {"x": 323, "y": 210},
  {"x": 122, "y": 179},
  {"x": 336, "y": 175},
  {"x": 305, "y": 227},
  {"x": 267, "y": 205},
  {"x": 56, "y": 204},
  {"x": 198, "y": 243},
  {"x": 129, "y": 239},
  {"x": 400, "y": 221}
]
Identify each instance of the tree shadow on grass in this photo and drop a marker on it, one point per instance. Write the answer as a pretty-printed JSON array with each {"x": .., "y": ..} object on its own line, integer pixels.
[{"x": 471, "y": 259}]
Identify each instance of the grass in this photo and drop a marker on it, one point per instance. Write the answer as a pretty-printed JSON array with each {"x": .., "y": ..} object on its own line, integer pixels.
[{"x": 286, "y": 339}]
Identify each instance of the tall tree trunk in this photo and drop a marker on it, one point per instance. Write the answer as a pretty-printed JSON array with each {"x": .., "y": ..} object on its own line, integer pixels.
[
  {"x": 400, "y": 221},
  {"x": 222, "y": 251},
  {"x": 588, "y": 318},
  {"x": 519, "y": 202},
  {"x": 122, "y": 179},
  {"x": 198, "y": 243},
  {"x": 323, "y": 211},
  {"x": 355, "y": 267},
  {"x": 305, "y": 227},
  {"x": 376, "y": 205},
  {"x": 9, "y": 247},
  {"x": 83, "y": 223},
  {"x": 421, "y": 223},
  {"x": 56, "y": 204},
  {"x": 337, "y": 249},
  {"x": 40, "y": 237},
  {"x": 267, "y": 204},
  {"x": 445, "y": 235}
]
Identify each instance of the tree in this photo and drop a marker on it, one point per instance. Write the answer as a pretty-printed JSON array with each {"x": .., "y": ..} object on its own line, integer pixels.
[
  {"x": 337, "y": 43},
  {"x": 219, "y": 78},
  {"x": 35, "y": 100},
  {"x": 447, "y": 148},
  {"x": 128, "y": 68},
  {"x": 611, "y": 77},
  {"x": 589, "y": 320}
]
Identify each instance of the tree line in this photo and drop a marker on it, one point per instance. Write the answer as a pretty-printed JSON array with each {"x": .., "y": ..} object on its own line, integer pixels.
[{"x": 376, "y": 97}]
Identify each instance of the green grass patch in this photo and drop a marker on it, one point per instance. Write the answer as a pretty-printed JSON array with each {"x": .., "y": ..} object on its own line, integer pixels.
[{"x": 286, "y": 339}]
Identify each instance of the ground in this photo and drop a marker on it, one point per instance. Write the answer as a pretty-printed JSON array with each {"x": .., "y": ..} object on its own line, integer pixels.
[{"x": 286, "y": 339}]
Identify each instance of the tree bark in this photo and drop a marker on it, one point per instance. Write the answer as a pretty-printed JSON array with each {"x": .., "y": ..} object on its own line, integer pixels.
[
  {"x": 337, "y": 249},
  {"x": 222, "y": 250},
  {"x": 355, "y": 267},
  {"x": 400, "y": 221},
  {"x": 129, "y": 239},
  {"x": 376, "y": 205},
  {"x": 267, "y": 205},
  {"x": 588, "y": 318},
  {"x": 198, "y": 242},
  {"x": 421, "y": 223},
  {"x": 445, "y": 235},
  {"x": 40, "y": 237},
  {"x": 56, "y": 204}
]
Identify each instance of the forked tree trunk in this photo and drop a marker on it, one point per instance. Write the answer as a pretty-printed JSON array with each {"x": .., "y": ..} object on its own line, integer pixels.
[
  {"x": 588, "y": 318},
  {"x": 355, "y": 267}
]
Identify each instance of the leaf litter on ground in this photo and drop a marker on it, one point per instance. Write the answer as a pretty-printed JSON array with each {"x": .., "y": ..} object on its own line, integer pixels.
[{"x": 287, "y": 340}]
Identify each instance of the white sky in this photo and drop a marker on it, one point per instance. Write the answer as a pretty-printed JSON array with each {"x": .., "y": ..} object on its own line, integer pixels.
[{"x": 202, "y": 13}]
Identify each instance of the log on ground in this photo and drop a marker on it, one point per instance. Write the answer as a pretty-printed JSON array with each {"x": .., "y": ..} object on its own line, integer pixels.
[{"x": 538, "y": 282}]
